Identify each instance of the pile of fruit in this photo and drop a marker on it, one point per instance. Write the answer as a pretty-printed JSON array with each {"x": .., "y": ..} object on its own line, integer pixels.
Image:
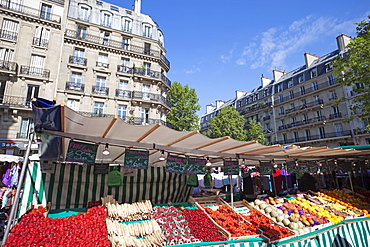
[
  {"x": 231, "y": 221},
  {"x": 269, "y": 228},
  {"x": 83, "y": 229}
]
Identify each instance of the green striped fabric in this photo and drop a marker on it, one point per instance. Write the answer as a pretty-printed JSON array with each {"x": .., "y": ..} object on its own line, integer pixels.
[{"x": 73, "y": 186}]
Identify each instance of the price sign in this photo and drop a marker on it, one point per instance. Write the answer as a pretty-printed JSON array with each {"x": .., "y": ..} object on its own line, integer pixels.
[
  {"x": 196, "y": 166},
  {"x": 81, "y": 152},
  {"x": 176, "y": 164},
  {"x": 231, "y": 167},
  {"x": 136, "y": 159}
]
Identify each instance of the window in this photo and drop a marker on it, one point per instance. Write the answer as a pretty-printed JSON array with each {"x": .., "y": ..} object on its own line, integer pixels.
[
  {"x": 26, "y": 128},
  {"x": 281, "y": 98},
  {"x": 268, "y": 127},
  {"x": 147, "y": 47},
  {"x": 319, "y": 116},
  {"x": 239, "y": 103},
  {"x": 84, "y": 13},
  {"x": 321, "y": 132},
  {"x": 146, "y": 68},
  {"x": 296, "y": 137},
  {"x": 291, "y": 94},
  {"x": 300, "y": 78},
  {"x": 9, "y": 30},
  {"x": 147, "y": 31},
  {"x": 308, "y": 134},
  {"x": 125, "y": 43},
  {"x": 316, "y": 100},
  {"x": 256, "y": 96},
  {"x": 265, "y": 93},
  {"x": 79, "y": 57},
  {"x": 290, "y": 83},
  {"x": 331, "y": 80},
  {"x": 76, "y": 79},
  {"x": 127, "y": 26},
  {"x": 104, "y": 37},
  {"x": 106, "y": 19},
  {"x": 145, "y": 91},
  {"x": 315, "y": 86},
  {"x": 81, "y": 32},
  {"x": 313, "y": 72},
  {"x": 73, "y": 104},
  {"x": 292, "y": 106},
  {"x": 45, "y": 11},
  {"x": 305, "y": 119},
  {"x": 98, "y": 109},
  {"x": 32, "y": 92},
  {"x": 124, "y": 66},
  {"x": 303, "y": 104},
  {"x": 280, "y": 87},
  {"x": 144, "y": 115},
  {"x": 302, "y": 90},
  {"x": 100, "y": 86},
  {"x": 100, "y": 81},
  {"x": 37, "y": 65},
  {"x": 294, "y": 121},
  {"x": 121, "y": 111},
  {"x": 41, "y": 38},
  {"x": 332, "y": 95},
  {"x": 281, "y": 110},
  {"x": 284, "y": 138},
  {"x": 339, "y": 129},
  {"x": 5, "y": 55},
  {"x": 115, "y": 8},
  {"x": 328, "y": 67},
  {"x": 102, "y": 60}
]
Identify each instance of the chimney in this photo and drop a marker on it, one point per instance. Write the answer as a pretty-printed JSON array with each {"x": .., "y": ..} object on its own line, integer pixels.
[
  {"x": 239, "y": 94},
  {"x": 219, "y": 103},
  {"x": 309, "y": 58},
  {"x": 137, "y": 7},
  {"x": 277, "y": 74},
  {"x": 342, "y": 41},
  {"x": 209, "y": 108},
  {"x": 265, "y": 81}
]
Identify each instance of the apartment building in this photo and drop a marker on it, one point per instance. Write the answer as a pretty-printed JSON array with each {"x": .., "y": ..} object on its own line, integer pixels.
[
  {"x": 114, "y": 63},
  {"x": 30, "y": 47},
  {"x": 95, "y": 57},
  {"x": 298, "y": 107}
]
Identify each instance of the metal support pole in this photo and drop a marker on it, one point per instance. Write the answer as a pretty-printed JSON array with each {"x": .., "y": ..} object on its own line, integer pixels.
[
  {"x": 232, "y": 190},
  {"x": 350, "y": 179},
  {"x": 14, "y": 207}
]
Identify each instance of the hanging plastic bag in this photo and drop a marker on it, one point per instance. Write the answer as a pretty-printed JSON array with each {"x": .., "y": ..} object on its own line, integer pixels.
[
  {"x": 193, "y": 180},
  {"x": 208, "y": 179},
  {"x": 115, "y": 178}
]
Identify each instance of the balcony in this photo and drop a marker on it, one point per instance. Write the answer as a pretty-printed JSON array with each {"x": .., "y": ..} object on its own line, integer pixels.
[
  {"x": 8, "y": 35},
  {"x": 124, "y": 69},
  {"x": 335, "y": 115},
  {"x": 100, "y": 90},
  {"x": 40, "y": 42},
  {"x": 362, "y": 131},
  {"x": 34, "y": 71},
  {"x": 15, "y": 101},
  {"x": 102, "y": 65},
  {"x": 323, "y": 136},
  {"x": 266, "y": 118},
  {"x": 138, "y": 95},
  {"x": 8, "y": 66},
  {"x": 126, "y": 94},
  {"x": 77, "y": 87},
  {"x": 303, "y": 122},
  {"x": 30, "y": 11},
  {"x": 116, "y": 44},
  {"x": 77, "y": 60}
]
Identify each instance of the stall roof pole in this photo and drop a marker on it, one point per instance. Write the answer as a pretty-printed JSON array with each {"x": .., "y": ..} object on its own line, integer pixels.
[{"x": 14, "y": 208}]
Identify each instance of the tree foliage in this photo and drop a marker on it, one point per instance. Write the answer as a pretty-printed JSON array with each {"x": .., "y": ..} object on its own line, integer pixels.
[
  {"x": 353, "y": 69},
  {"x": 228, "y": 123},
  {"x": 255, "y": 132},
  {"x": 184, "y": 103}
]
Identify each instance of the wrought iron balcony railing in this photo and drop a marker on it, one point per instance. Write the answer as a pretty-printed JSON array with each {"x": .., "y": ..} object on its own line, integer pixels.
[
  {"x": 9, "y": 100},
  {"x": 315, "y": 137},
  {"x": 335, "y": 115},
  {"x": 116, "y": 44},
  {"x": 8, "y": 66},
  {"x": 30, "y": 11},
  {"x": 100, "y": 90},
  {"x": 34, "y": 71},
  {"x": 150, "y": 97},
  {"x": 101, "y": 64},
  {"x": 361, "y": 131},
  {"x": 78, "y": 87},
  {"x": 8, "y": 35},
  {"x": 40, "y": 42},
  {"x": 123, "y": 93},
  {"x": 77, "y": 60}
]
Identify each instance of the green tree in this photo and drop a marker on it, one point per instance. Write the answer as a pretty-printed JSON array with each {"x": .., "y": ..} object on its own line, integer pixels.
[
  {"x": 184, "y": 103},
  {"x": 353, "y": 69},
  {"x": 255, "y": 132},
  {"x": 228, "y": 123}
]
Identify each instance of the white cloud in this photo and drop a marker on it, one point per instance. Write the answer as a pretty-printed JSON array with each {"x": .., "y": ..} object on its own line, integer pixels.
[
  {"x": 229, "y": 56},
  {"x": 271, "y": 48},
  {"x": 191, "y": 71}
]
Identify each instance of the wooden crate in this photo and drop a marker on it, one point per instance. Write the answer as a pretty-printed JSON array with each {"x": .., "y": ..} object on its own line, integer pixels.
[{"x": 208, "y": 201}]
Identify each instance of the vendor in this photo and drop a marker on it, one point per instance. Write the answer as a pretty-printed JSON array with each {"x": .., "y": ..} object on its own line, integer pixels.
[{"x": 307, "y": 182}]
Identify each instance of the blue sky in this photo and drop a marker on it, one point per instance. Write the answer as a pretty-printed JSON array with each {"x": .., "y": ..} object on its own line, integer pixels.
[{"x": 217, "y": 47}]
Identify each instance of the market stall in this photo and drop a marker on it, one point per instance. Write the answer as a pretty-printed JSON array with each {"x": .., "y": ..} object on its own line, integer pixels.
[{"x": 80, "y": 145}]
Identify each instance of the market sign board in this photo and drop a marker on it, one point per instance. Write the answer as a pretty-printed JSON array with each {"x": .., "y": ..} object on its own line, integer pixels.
[
  {"x": 81, "y": 152},
  {"x": 136, "y": 159},
  {"x": 196, "y": 166},
  {"x": 231, "y": 167},
  {"x": 101, "y": 168},
  {"x": 265, "y": 167},
  {"x": 12, "y": 145},
  {"x": 176, "y": 164}
]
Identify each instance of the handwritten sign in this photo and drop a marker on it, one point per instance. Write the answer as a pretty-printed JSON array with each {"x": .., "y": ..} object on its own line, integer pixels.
[
  {"x": 265, "y": 167},
  {"x": 231, "y": 167},
  {"x": 176, "y": 164},
  {"x": 136, "y": 159},
  {"x": 196, "y": 166},
  {"x": 81, "y": 152},
  {"x": 292, "y": 166},
  {"x": 101, "y": 168}
]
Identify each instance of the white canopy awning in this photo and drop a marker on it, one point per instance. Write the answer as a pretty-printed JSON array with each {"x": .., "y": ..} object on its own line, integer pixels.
[
  {"x": 10, "y": 158},
  {"x": 121, "y": 135}
]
